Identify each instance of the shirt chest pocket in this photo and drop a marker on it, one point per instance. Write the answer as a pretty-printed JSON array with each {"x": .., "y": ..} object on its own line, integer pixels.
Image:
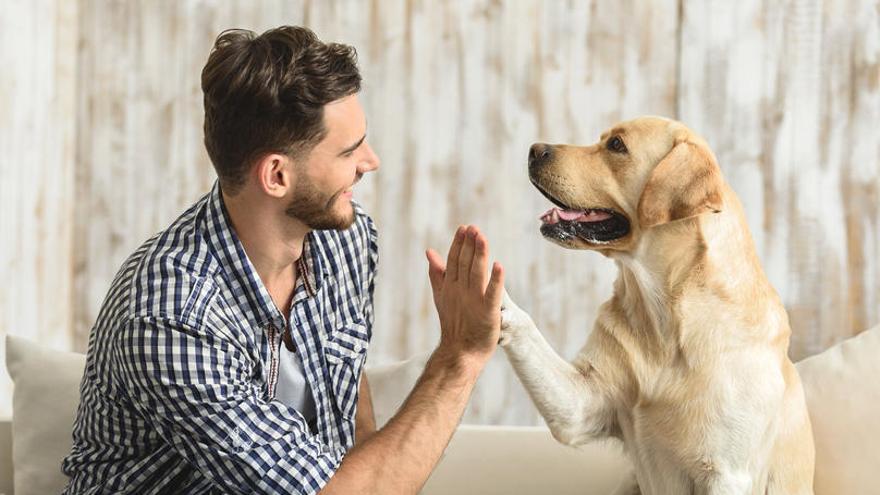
[{"x": 345, "y": 353}]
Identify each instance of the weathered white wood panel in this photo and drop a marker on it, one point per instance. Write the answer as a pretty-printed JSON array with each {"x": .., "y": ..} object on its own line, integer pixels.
[
  {"x": 787, "y": 95},
  {"x": 107, "y": 94},
  {"x": 37, "y": 105}
]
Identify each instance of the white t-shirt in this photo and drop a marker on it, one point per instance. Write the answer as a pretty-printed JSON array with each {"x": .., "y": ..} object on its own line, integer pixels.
[{"x": 292, "y": 388}]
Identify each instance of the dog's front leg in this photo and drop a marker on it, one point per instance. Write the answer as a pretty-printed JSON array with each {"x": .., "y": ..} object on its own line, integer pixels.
[{"x": 567, "y": 397}]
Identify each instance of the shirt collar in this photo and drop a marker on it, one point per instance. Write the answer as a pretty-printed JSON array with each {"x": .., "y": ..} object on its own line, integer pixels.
[
  {"x": 310, "y": 265},
  {"x": 246, "y": 285}
]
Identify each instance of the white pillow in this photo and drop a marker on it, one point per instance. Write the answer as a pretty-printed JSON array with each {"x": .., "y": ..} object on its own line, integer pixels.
[
  {"x": 391, "y": 383},
  {"x": 44, "y": 402},
  {"x": 842, "y": 385}
]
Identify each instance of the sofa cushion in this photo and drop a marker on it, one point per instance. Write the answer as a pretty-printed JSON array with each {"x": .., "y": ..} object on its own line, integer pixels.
[
  {"x": 842, "y": 385},
  {"x": 6, "y": 456},
  {"x": 44, "y": 401},
  {"x": 502, "y": 460}
]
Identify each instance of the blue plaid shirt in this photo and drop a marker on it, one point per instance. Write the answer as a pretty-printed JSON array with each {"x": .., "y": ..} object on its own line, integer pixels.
[{"x": 177, "y": 394}]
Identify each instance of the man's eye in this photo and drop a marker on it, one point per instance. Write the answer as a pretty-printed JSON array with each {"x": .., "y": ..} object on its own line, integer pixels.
[{"x": 616, "y": 145}]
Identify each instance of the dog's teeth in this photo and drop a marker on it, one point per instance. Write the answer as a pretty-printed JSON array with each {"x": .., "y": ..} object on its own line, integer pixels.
[{"x": 551, "y": 216}]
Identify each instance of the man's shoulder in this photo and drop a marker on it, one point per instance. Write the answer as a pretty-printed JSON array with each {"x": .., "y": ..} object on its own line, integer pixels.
[{"x": 171, "y": 273}]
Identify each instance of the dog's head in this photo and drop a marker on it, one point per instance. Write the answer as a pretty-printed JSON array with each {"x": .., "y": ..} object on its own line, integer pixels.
[{"x": 642, "y": 174}]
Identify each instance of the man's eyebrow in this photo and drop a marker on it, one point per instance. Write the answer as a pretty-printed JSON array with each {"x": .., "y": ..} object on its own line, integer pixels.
[{"x": 353, "y": 147}]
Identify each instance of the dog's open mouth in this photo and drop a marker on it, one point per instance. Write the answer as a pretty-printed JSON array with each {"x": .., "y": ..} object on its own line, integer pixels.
[{"x": 593, "y": 225}]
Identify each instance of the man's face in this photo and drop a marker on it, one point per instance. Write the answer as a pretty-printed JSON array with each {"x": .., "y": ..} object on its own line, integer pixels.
[{"x": 324, "y": 178}]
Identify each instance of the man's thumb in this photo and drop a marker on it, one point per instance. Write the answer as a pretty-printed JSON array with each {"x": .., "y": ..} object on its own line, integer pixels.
[{"x": 436, "y": 269}]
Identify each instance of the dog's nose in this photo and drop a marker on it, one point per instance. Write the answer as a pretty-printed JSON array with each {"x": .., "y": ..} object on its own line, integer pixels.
[{"x": 539, "y": 154}]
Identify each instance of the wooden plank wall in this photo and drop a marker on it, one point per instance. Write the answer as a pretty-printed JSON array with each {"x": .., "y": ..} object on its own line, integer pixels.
[
  {"x": 788, "y": 94},
  {"x": 100, "y": 142},
  {"x": 37, "y": 166}
]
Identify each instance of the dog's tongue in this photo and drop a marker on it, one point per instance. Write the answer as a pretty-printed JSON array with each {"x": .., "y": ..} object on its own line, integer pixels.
[
  {"x": 554, "y": 215},
  {"x": 570, "y": 215}
]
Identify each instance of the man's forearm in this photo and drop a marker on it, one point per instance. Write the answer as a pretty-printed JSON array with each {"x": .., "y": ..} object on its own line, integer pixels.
[
  {"x": 399, "y": 457},
  {"x": 365, "y": 420}
]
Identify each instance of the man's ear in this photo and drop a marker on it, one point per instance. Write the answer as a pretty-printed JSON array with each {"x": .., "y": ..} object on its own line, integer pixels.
[
  {"x": 273, "y": 174},
  {"x": 687, "y": 182}
]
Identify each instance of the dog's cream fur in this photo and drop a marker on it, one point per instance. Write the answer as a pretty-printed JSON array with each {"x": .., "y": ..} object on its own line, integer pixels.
[{"x": 687, "y": 362}]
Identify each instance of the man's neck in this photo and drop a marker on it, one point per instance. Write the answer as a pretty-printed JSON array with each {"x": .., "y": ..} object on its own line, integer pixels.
[{"x": 273, "y": 243}]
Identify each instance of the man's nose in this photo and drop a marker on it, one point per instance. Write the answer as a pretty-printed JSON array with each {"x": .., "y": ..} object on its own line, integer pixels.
[
  {"x": 370, "y": 162},
  {"x": 539, "y": 155}
]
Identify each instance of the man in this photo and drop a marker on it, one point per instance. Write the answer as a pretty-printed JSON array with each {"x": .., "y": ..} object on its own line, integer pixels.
[{"x": 228, "y": 355}]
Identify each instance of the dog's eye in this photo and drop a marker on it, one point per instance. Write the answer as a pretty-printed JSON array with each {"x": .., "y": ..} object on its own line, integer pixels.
[{"x": 616, "y": 145}]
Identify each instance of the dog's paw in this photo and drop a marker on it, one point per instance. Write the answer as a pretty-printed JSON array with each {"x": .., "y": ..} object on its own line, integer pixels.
[
  {"x": 505, "y": 337},
  {"x": 513, "y": 320}
]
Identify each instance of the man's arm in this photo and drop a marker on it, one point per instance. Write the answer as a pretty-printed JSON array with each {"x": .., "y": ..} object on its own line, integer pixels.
[
  {"x": 399, "y": 458},
  {"x": 365, "y": 420}
]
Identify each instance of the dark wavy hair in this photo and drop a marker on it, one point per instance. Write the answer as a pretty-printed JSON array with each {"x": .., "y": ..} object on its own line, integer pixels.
[{"x": 266, "y": 94}]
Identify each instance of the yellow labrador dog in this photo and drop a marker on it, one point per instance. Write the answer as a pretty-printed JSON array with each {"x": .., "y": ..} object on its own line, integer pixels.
[{"x": 687, "y": 362}]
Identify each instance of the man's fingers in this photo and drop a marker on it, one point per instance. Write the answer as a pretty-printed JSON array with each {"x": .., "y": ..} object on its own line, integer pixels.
[
  {"x": 454, "y": 254},
  {"x": 479, "y": 266},
  {"x": 495, "y": 289},
  {"x": 467, "y": 255}
]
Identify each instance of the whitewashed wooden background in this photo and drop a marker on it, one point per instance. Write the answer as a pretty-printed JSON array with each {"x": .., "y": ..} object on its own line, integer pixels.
[{"x": 101, "y": 145}]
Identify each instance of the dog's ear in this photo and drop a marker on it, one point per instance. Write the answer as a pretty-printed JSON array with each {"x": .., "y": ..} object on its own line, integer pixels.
[{"x": 687, "y": 182}]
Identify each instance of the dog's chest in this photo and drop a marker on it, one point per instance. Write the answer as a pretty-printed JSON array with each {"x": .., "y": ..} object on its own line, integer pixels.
[
  {"x": 691, "y": 421},
  {"x": 668, "y": 406}
]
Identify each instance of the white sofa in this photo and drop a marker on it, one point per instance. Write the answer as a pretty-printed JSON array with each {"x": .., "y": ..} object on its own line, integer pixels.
[{"x": 842, "y": 385}]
